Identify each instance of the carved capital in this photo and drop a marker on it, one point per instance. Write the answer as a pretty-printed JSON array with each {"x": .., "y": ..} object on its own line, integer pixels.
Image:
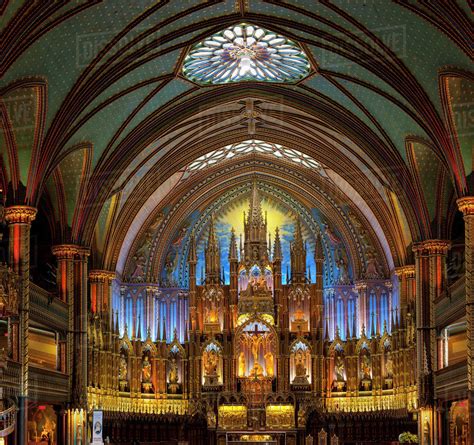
[
  {"x": 408, "y": 271},
  {"x": 20, "y": 214},
  {"x": 466, "y": 205},
  {"x": 83, "y": 252},
  {"x": 432, "y": 247},
  {"x": 64, "y": 251},
  {"x": 101, "y": 276},
  {"x": 360, "y": 286}
]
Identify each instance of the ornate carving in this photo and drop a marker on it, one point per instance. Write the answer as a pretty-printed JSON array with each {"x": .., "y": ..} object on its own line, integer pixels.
[
  {"x": 432, "y": 247},
  {"x": 9, "y": 291},
  {"x": 101, "y": 276},
  {"x": 20, "y": 214},
  {"x": 65, "y": 251},
  {"x": 466, "y": 205}
]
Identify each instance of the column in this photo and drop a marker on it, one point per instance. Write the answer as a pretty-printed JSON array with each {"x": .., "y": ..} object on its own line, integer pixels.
[
  {"x": 466, "y": 206},
  {"x": 65, "y": 254},
  {"x": 19, "y": 219},
  {"x": 361, "y": 288},
  {"x": 406, "y": 279},
  {"x": 80, "y": 328},
  {"x": 430, "y": 265},
  {"x": 101, "y": 291}
]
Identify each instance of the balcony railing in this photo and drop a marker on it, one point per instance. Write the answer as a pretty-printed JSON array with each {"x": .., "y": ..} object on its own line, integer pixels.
[{"x": 7, "y": 421}]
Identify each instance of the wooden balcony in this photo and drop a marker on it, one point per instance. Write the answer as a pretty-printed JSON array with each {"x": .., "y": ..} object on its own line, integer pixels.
[
  {"x": 451, "y": 382},
  {"x": 7, "y": 421}
]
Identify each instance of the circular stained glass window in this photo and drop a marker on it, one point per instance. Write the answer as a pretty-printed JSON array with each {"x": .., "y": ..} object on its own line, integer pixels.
[{"x": 246, "y": 53}]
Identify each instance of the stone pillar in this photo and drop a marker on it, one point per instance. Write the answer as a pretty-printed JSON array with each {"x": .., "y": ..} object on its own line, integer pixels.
[
  {"x": 19, "y": 219},
  {"x": 430, "y": 265},
  {"x": 466, "y": 206},
  {"x": 80, "y": 327},
  {"x": 361, "y": 288},
  {"x": 406, "y": 278},
  {"x": 64, "y": 254},
  {"x": 101, "y": 291}
]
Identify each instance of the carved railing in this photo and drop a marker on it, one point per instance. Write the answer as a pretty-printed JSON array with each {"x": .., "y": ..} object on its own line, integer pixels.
[
  {"x": 378, "y": 402},
  {"x": 143, "y": 404},
  {"x": 48, "y": 384},
  {"x": 451, "y": 382},
  {"x": 7, "y": 421},
  {"x": 45, "y": 307},
  {"x": 9, "y": 291}
]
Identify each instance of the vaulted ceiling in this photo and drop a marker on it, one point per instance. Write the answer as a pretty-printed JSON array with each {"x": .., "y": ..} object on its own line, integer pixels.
[{"x": 99, "y": 123}]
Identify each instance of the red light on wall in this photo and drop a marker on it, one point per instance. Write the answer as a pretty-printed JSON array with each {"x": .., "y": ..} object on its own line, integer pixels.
[{"x": 42, "y": 407}]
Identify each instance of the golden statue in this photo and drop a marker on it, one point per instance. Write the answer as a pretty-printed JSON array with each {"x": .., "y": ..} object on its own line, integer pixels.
[
  {"x": 173, "y": 374},
  {"x": 256, "y": 371},
  {"x": 210, "y": 363},
  {"x": 241, "y": 364},
  {"x": 389, "y": 366},
  {"x": 339, "y": 368},
  {"x": 146, "y": 370},
  {"x": 300, "y": 368},
  {"x": 256, "y": 340},
  {"x": 365, "y": 367},
  {"x": 212, "y": 314},
  {"x": 269, "y": 364},
  {"x": 123, "y": 373}
]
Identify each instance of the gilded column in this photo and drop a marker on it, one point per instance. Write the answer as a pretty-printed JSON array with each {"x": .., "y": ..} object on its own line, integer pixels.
[
  {"x": 19, "y": 219},
  {"x": 466, "y": 206},
  {"x": 65, "y": 254},
  {"x": 430, "y": 265},
  {"x": 101, "y": 291},
  {"x": 80, "y": 330},
  {"x": 406, "y": 279}
]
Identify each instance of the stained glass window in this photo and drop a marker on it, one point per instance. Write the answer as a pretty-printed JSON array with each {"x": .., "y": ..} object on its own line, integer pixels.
[
  {"x": 253, "y": 146},
  {"x": 246, "y": 53}
]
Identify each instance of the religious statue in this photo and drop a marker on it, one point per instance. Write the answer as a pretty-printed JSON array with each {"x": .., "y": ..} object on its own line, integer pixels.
[
  {"x": 371, "y": 271},
  {"x": 173, "y": 374},
  {"x": 212, "y": 315},
  {"x": 365, "y": 367},
  {"x": 343, "y": 277},
  {"x": 146, "y": 375},
  {"x": 301, "y": 373},
  {"x": 300, "y": 368},
  {"x": 269, "y": 364},
  {"x": 139, "y": 271},
  {"x": 339, "y": 369},
  {"x": 146, "y": 370},
  {"x": 426, "y": 433},
  {"x": 241, "y": 364},
  {"x": 210, "y": 363},
  {"x": 255, "y": 347},
  {"x": 389, "y": 366},
  {"x": 256, "y": 371},
  {"x": 123, "y": 371}
]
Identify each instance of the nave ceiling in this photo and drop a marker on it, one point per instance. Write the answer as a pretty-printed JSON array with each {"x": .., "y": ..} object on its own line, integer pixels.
[{"x": 99, "y": 123}]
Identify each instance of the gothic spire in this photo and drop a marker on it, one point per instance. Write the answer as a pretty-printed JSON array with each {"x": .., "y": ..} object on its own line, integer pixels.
[
  {"x": 255, "y": 228},
  {"x": 255, "y": 217},
  {"x": 298, "y": 254},
  {"x": 212, "y": 254},
  {"x": 192, "y": 255},
  {"x": 277, "y": 255},
  {"x": 233, "y": 254}
]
